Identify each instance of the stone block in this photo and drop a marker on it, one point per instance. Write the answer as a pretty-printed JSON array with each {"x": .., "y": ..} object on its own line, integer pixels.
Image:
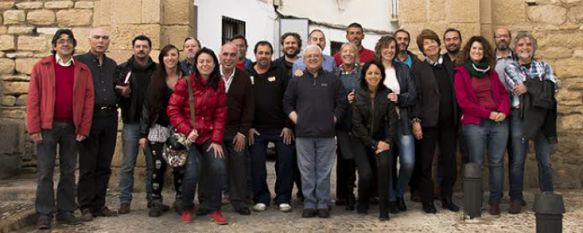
[
  {"x": 5, "y": 5},
  {"x": 507, "y": 13},
  {"x": 59, "y": 4},
  {"x": 34, "y": 43},
  {"x": 21, "y": 100},
  {"x": 24, "y": 65},
  {"x": 174, "y": 34},
  {"x": 8, "y": 100},
  {"x": 566, "y": 68},
  {"x": 12, "y": 17},
  {"x": 82, "y": 33},
  {"x": 566, "y": 38},
  {"x": 152, "y": 10},
  {"x": 570, "y": 122},
  {"x": 19, "y": 54},
  {"x": 102, "y": 12},
  {"x": 122, "y": 35},
  {"x": 7, "y": 42},
  {"x": 412, "y": 12},
  {"x": 575, "y": 14},
  {"x": 178, "y": 12},
  {"x": 41, "y": 17},
  {"x": 84, "y": 5},
  {"x": 566, "y": 95},
  {"x": 10, "y": 166},
  {"x": 15, "y": 88},
  {"x": 19, "y": 30},
  {"x": 47, "y": 30},
  {"x": 29, "y": 5},
  {"x": 555, "y": 53},
  {"x": 6, "y": 66},
  {"x": 15, "y": 78},
  {"x": 13, "y": 112},
  {"x": 547, "y": 14},
  {"x": 127, "y": 12},
  {"x": 74, "y": 17},
  {"x": 461, "y": 11}
]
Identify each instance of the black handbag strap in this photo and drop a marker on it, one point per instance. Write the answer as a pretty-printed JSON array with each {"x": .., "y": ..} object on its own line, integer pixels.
[{"x": 190, "y": 100}]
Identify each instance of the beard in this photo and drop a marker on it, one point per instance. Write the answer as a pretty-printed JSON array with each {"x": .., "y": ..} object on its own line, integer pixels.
[
  {"x": 291, "y": 53},
  {"x": 453, "y": 50},
  {"x": 502, "y": 46}
]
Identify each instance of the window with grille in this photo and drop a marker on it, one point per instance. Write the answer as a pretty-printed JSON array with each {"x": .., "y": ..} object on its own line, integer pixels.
[{"x": 232, "y": 27}]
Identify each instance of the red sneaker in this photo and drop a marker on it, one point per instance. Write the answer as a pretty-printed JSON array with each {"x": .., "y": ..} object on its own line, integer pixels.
[
  {"x": 186, "y": 216},
  {"x": 218, "y": 217}
]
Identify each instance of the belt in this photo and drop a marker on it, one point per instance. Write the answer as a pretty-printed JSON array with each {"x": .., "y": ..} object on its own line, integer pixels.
[{"x": 105, "y": 108}]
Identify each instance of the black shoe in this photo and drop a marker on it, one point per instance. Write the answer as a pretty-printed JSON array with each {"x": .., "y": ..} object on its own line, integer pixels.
[
  {"x": 68, "y": 219},
  {"x": 86, "y": 215},
  {"x": 202, "y": 212},
  {"x": 243, "y": 210},
  {"x": 384, "y": 217},
  {"x": 324, "y": 213},
  {"x": 361, "y": 209},
  {"x": 383, "y": 213},
  {"x": 374, "y": 200},
  {"x": 105, "y": 212},
  {"x": 393, "y": 207},
  {"x": 429, "y": 208},
  {"x": 350, "y": 202},
  {"x": 309, "y": 213},
  {"x": 340, "y": 201},
  {"x": 156, "y": 209},
  {"x": 44, "y": 222},
  {"x": 401, "y": 204},
  {"x": 447, "y": 203}
]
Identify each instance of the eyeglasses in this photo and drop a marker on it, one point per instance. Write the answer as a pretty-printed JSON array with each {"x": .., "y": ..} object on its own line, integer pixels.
[{"x": 64, "y": 41}]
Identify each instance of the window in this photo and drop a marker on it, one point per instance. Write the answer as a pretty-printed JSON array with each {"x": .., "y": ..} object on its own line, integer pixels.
[
  {"x": 335, "y": 47},
  {"x": 232, "y": 27}
]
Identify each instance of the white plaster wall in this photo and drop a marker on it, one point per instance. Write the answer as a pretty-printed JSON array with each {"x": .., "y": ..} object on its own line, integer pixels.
[{"x": 259, "y": 20}]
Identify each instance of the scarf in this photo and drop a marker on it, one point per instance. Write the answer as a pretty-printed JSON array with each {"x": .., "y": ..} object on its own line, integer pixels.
[{"x": 477, "y": 69}]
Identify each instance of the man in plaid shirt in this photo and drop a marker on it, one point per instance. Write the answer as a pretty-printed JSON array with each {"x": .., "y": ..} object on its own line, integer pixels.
[{"x": 526, "y": 67}]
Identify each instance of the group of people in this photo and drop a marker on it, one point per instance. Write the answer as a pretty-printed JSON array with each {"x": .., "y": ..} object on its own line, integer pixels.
[{"x": 380, "y": 114}]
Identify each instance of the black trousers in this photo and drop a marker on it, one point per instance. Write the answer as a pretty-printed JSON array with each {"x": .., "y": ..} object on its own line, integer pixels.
[
  {"x": 95, "y": 154},
  {"x": 159, "y": 173},
  {"x": 444, "y": 136},
  {"x": 367, "y": 164},
  {"x": 345, "y": 166},
  {"x": 237, "y": 166}
]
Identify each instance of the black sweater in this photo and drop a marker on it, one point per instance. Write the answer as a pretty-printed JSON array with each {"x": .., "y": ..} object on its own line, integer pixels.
[{"x": 268, "y": 90}]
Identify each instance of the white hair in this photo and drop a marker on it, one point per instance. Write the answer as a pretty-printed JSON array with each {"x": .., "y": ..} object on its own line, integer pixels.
[{"x": 313, "y": 46}]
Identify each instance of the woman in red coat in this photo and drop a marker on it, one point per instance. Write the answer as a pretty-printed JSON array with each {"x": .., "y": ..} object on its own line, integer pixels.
[
  {"x": 484, "y": 105},
  {"x": 206, "y": 135}
]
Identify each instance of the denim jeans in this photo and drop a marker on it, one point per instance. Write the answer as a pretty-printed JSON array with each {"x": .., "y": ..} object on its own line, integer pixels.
[
  {"x": 405, "y": 145},
  {"x": 491, "y": 136},
  {"x": 62, "y": 135},
  {"x": 315, "y": 160},
  {"x": 131, "y": 135},
  {"x": 284, "y": 168},
  {"x": 199, "y": 156}
]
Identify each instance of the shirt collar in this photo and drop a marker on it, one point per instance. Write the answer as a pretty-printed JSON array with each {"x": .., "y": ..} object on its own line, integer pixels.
[
  {"x": 435, "y": 63},
  {"x": 510, "y": 56},
  {"x": 62, "y": 63},
  {"x": 232, "y": 75}
]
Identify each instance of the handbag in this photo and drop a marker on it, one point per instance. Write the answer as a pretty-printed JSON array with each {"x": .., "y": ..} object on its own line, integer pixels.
[
  {"x": 159, "y": 133},
  {"x": 175, "y": 150}
]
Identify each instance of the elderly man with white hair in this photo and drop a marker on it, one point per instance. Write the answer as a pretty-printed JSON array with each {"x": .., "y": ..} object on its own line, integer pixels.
[{"x": 315, "y": 101}]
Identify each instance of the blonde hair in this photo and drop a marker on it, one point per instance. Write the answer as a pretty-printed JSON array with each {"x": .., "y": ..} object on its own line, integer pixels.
[{"x": 353, "y": 47}]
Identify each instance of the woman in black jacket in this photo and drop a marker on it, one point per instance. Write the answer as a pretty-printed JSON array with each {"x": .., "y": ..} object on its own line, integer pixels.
[
  {"x": 154, "y": 124},
  {"x": 374, "y": 122}
]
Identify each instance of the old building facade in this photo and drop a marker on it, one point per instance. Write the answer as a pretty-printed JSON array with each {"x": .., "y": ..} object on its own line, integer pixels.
[{"x": 26, "y": 27}]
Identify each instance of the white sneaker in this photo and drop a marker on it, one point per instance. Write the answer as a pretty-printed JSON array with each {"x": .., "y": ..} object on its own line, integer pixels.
[
  {"x": 259, "y": 207},
  {"x": 284, "y": 207}
]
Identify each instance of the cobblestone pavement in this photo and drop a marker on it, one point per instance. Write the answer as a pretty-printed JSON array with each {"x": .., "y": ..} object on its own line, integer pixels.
[{"x": 273, "y": 220}]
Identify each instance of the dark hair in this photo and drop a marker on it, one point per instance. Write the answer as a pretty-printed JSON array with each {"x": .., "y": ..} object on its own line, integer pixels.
[
  {"x": 215, "y": 75},
  {"x": 315, "y": 30},
  {"x": 452, "y": 30},
  {"x": 142, "y": 37},
  {"x": 192, "y": 38},
  {"x": 427, "y": 34},
  {"x": 58, "y": 35},
  {"x": 365, "y": 68},
  {"x": 263, "y": 42},
  {"x": 488, "y": 51},
  {"x": 295, "y": 35},
  {"x": 384, "y": 42},
  {"x": 157, "y": 87},
  {"x": 404, "y": 31},
  {"x": 355, "y": 25},
  {"x": 239, "y": 37}
]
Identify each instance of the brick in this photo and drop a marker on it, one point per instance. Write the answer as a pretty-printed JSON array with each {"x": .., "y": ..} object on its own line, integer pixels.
[
  {"x": 34, "y": 43},
  {"x": 13, "y": 17},
  {"x": 6, "y": 66},
  {"x": 84, "y": 5},
  {"x": 547, "y": 14},
  {"x": 18, "y": 30},
  {"x": 24, "y": 65},
  {"x": 5, "y": 5},
  {"x": 59, "y": 4},
  {"x": 29, "y": 5},
  {"x": 15, "y": 87},
  {"x": 7, "y": 42},
  {"x": 8, "y": 100}
]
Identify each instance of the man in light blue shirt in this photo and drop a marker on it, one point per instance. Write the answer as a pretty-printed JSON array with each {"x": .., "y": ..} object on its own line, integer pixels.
[{"x": 318, "y": 38}]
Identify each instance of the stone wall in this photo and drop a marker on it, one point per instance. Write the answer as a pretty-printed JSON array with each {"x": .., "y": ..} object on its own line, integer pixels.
[
  {"x": 558, "y": 26},
  {"x": 26, "y": 28}
]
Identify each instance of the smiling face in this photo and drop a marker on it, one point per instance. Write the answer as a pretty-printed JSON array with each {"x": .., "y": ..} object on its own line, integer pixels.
[
  {"x": 263, "y": 55},
  {"x": 171, "y": 59},
  {"x": 205, "y": 64},
  {"x": 430, "y": 48},
  {"x": 355, "y": 35},
  {"x": 64, "y": 46},
  {"x": 452, "y": 41},
  {"x": 313, "y": 59},
  {"x": 524, "y": 49},
  {"x": 476, "y": 52},
  {"x": 388, "y": 52},
  {"x": 373, "y": 77},
  {"x": 290, "y": 46},
  {"x": 99, "y": 40},
  {"x": 403, "y": 40},
  {"x": 191, "y": 47},
  {"x": 348, "y": 55},
  {"x": 502, "y": 38},
  {"x": 228, "y": 56}
]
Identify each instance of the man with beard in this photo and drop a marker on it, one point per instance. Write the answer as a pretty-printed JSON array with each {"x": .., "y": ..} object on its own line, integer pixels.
[
  {"x": 532, "y": 82},
  {"x": 316, "y": 37},
  {"x": 240, "y": 41},
  {"x": 404, "y": 56},
  {"x": 291, "y": 44},
  {"x": 133, "y": 81},
  {"x": 191, "y": 46},
  {"x": 270, "y": 125},
  {"x": 453, "y": 42},
  {"x": 355, "y": 35}
]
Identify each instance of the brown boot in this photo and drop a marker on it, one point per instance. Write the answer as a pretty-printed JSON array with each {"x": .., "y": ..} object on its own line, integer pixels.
[
  {"x": 494, "y": 208},
  {"x": 515, "y": 207},
  {"x": 124, "y": 208}
]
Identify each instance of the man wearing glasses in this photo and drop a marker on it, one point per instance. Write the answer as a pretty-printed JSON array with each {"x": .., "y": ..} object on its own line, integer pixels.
[{"x": 59, "y": 108}]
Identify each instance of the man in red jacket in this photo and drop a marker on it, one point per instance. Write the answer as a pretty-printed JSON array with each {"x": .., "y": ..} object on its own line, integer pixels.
[{"x": 59, "y": 110}]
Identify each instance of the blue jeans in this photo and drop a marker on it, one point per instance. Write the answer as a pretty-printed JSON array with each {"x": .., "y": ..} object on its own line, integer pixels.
[
  {"x": 315, "y": 160},
  {"x": 491, "y": 136},
  {"x": 284, "y": 168},
  {"x": 406, "y": 148},
  {"x": 62, "y": 135},
  {"x": 131, "y": 135},
  {"x": 198, "y": 156}
]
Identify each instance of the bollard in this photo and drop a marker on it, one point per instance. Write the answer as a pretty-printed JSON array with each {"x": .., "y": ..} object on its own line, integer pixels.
[
  {"x": 472, "y": 190},
  {"x": 549, "y": 209}
]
